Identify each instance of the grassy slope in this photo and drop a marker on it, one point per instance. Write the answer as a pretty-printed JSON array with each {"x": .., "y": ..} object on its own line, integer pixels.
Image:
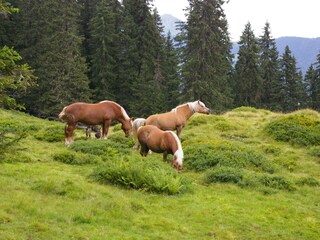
[{"x": 44, "y": 199}]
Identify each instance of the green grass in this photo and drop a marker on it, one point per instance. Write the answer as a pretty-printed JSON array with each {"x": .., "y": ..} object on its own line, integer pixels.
[{"x": 239, "y": 181}]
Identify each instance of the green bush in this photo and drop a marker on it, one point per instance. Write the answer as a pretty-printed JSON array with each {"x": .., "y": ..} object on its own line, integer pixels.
[
  {"x": 277, "y": 182},
  {"x": 245, "y": 109},
  {"x": 12, "y": 125},
  {"x": 224, "y": 175},
  {"x": 296, "y": 129},
  {"x": 53, "y": 133},
  {"x": 309, "y": 181},
  {"x": 200, "y": 157},
  {"x": 114, "y": 146},
  {"x": 72, "y": 158},
  {"x": 314, "y": 151},
  {"x": 143, "y": 175},
  {"x": 10, "y": 149},
  {"x": 248, "y": 179}
]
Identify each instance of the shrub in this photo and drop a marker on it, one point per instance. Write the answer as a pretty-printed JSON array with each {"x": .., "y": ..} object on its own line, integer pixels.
[
  {"x": 309, "y": 181},
  {"x": 114, "y": 146},
  {"x": 53, "y": 133},
  {"x": 10, "y": 150},
  {"x": 203, "y": 156},
  {"x": 224, "y": 175},
  {"x": 314, "y": 151},
  {"x": 295, "y": 129},
  {"x": 245, "y": 109},
  {"x": 141, "y": 174},
  {"x": 75, "y": 159},
  {"x": 12, "y": 125},
  {"x": 277, "y": 182}
]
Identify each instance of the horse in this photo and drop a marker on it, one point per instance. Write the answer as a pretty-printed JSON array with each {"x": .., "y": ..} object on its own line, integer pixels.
[
  {"x": 166, "y": 142},
  {"x": 174, "y": 120},
  {"x": 138, "y": 122},
  {"x": 94, "y": 114},
  {"x": 89, "y": 128}
]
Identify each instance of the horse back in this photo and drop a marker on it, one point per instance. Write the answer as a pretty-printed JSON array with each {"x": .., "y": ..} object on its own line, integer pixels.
[
  {"x": 89, "y": 113},
  {"x": 164, "y": 121},
  {"x": 157, "y": 140}
]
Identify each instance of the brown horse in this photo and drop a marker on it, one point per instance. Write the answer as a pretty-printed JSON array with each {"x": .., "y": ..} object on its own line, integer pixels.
[
  {"x": 166, "y": 142},
  {"x": 94, "y": 114},
  {"x": 177, "y": 118}
]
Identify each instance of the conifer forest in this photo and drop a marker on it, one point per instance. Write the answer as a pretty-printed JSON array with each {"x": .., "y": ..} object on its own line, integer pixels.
[{"x": 56, "y": 52}]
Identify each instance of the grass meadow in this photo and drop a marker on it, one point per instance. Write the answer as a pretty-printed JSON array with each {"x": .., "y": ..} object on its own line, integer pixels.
[{"x": 247, "y": 174}]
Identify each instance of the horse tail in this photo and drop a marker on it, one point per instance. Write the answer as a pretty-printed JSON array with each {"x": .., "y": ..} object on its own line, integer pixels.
[{"x": 179, "y": 153}]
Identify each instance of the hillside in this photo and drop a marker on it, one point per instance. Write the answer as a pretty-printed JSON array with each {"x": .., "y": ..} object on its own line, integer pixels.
[
  {"x": 247, "y": 174},
  {"x": 305, "y": 50}
]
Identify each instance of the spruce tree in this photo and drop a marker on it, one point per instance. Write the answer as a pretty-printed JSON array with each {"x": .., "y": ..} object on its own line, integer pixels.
[
  {"x": 291, "y": 90},
  {"x": 315, "y": 86},
  {"x": 171, "y": 74},
  {"x": 248, "y": 86},
  {"x": 104, "y": 32},
  {"x": 48, "y": 37},
  {"x": 141, "y": 86},
  {"x": 269, "y": 67},
  {"x": 15, "y": 78},
  {"x": 207, "y": 55}
]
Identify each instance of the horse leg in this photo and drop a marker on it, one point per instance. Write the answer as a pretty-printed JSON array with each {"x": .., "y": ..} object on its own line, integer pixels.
[
  {"x": 69, "y": 133},
  {"x": 165, "y": 155},
  {"x": 136, "y": 145},
  {"x": 88, "y": 132},
  {"x": 144, "y": 150},
  {"x": 179, "y": 129},
  {"x": 105, "y": 129}
]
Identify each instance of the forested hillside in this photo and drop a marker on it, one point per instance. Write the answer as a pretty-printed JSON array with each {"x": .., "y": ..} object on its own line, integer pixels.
[{"x": 103, "y": 49}]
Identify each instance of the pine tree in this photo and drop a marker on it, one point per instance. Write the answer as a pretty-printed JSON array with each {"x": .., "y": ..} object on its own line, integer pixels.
[
  {"x": 48, "y": 37},
  {"x": 248, "y": 87},
  {"x": 15, "y": 78},
  {"x": 207, "y": 55},
  {"x": 315, "y": 86},
  {"x": 104, "y": 49},
  {"x": 171, "y": 75},
  {"x": 291, "y": 90},
  {"x": 269, "y": 67},
  {"x": 141, "y": 86}
]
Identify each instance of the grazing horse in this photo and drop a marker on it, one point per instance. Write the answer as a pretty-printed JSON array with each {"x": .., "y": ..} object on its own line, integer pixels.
[
  {"x": 177, "y": 118},
  {"x": 94, "y": 114},
  {"x": 138, "y": 122},
  {"x": 90, "y": 128},
  {"x": 166, "y": 142}
]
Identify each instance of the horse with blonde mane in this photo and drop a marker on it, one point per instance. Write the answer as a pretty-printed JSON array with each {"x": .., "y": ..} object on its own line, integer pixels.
[
  {"x": 94, "y": 114},
  {"x": 174, "y": 120},
  {"x": 166, "y": 142}
]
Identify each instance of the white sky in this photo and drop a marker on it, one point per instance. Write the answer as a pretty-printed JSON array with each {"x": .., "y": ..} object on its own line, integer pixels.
[{"x": 299, "y": 18}]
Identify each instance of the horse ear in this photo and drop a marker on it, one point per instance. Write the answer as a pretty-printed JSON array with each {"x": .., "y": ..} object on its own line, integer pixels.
[{"x": 132, "y": 119}]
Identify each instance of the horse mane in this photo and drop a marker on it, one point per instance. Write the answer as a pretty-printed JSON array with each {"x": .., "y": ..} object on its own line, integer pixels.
[
  {"x": 123, "y": 112},
  {"x": 192, "y": 106}
]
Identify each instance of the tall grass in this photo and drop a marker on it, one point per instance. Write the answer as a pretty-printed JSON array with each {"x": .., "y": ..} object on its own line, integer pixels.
[{"x": 141, "y": 174}]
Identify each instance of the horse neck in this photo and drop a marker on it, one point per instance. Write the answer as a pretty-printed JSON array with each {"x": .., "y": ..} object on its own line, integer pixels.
[{"x": 185, "y": 111}]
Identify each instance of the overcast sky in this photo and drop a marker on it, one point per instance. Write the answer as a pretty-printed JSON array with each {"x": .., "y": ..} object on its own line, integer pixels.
[{"x": 286, "y": 17}]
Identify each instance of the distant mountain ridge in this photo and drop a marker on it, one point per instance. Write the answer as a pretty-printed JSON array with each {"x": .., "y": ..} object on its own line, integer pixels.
[{"x": 305, "y": 50}]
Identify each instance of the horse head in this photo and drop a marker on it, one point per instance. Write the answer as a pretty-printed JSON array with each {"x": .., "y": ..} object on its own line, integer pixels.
[
  {"x": 126, "y": 126},
  {"x": 200, "y": 107},
  {"x": 177, "y": 162}
]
